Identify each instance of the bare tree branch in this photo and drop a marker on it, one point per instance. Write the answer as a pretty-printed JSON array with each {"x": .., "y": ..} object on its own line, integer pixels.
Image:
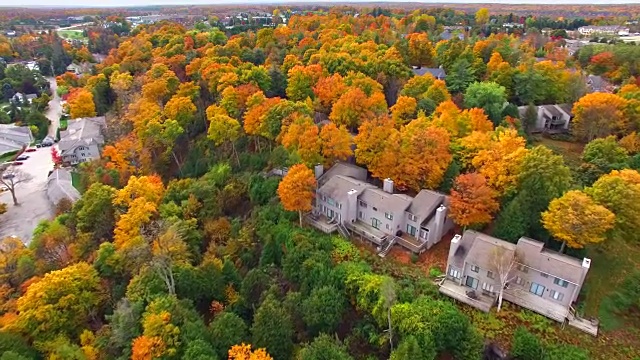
[
  {"x": 503, "y": 261},
  {"x": 10, "y": 178}
]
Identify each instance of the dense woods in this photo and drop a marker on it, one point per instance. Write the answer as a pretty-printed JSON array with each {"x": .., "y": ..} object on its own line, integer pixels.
[{"x": 184, "y": 246}]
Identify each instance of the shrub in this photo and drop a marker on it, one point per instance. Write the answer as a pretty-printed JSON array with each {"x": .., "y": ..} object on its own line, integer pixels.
[{"x": 526, "y": 346}]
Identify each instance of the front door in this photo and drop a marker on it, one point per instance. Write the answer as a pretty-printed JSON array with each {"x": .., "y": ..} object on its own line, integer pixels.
[
  {"x": 375, "y": 223},
  {"x": 411, "y": 230}
]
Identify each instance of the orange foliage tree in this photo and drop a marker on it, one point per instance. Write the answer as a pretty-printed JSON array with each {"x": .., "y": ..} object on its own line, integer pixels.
[
  {"x": 472, "y": 201},
  {"x": 599, "y": 115},
  {"x": 500, "y": 161},
  {"x": 296, "y": 190},
  {"x": 335, "y": 142}
]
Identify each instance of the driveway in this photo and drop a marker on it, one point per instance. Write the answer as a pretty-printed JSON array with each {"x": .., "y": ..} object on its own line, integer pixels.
[
  {"x": 54, "y": 111},
  {"x": 34, "y": 205}
]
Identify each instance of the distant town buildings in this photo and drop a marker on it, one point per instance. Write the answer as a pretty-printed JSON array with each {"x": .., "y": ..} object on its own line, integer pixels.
[{"x": 603, "y": 30}]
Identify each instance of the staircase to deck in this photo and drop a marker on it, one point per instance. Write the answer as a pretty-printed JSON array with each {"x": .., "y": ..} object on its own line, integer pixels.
[
  {"x": 343, "y": 231},
  {"x": 386, "y": 248}
]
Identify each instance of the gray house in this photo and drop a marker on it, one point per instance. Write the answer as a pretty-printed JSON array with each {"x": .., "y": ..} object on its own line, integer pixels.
[
  {"x": 347, "y": 203},
  {"x": 82, "y": 140},
  {"x": 59, "y": 186},
  {"x": 535, "y": 278},
  {"x": 550, "y": 118}
]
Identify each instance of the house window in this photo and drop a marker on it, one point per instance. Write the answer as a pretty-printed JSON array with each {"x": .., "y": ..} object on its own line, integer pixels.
[
  {"x": 561, "y": 282},
  {"x": 424, "y": 234},
  {"x": 324, "y": 198},
  {"x": 557, "y": 295},
  {"x": 360, "y": 215},
  {"x": 331, "y": 202},
  {"x": 363, "y": 204},
  {"x": 544, "y": 275},
  {"x": 536, "y": 289},
  {"x": 339, "y": 205},
  {"x": 490, "y": 274},
  {"x": 475, "y": 268},
  {"x": 388, "y": 227},
  {"x": 388, "y": 215},
  {"x": 454, "y": 273},
  {"x": 519, "y": 280},
  {"x": 487, "y": 287},
  {"x": 523, "y": 268},
  {"x": 413, "y": 218},
  {"x": 471, "y": 282},
  {"x": 411, "y": 230},
  {"x": 82, "y": 154},
  {"x": 375, "y": 223}
]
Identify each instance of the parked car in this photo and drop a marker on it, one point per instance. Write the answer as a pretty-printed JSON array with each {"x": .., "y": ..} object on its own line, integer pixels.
[
  {"x": 17, "y": 163},
  {"x": 30, "y": 149},
  {"x": 38, "y": 144},
  {"x": 22, "y": 157},
  {"x": 8, "y": 176}
]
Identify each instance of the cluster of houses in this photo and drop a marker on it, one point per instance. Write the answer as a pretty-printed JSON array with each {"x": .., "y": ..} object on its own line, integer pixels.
[
  {"x": 603, "y": 30},
  {"x": 480, "y": 268}
]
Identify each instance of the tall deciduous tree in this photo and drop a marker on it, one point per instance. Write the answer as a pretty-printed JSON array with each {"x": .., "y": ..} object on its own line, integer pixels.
[
  {"x": 61, "y": 303},
  {"x": 296, "y": 190},
  {"x": 272, "y": 329},
  {"x": 335, "y": 142},
  {"x": 81, "y": 104},
  {"x": 244, "y": 352},
  {"x": 500, "y": 162},
  {"x": 421, "y": 51},
  {"x": 472, "y": 201},
  {"x": 577, "y": 220},
  {"x": 619, "y": 192},
  {"x": 599, "y": 115},
  {"x": 489, "y": 96},
  {"x": 404, "y": 110}
]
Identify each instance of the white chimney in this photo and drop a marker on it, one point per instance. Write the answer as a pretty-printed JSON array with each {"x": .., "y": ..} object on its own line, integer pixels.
[
  {"x": 351, "y": 212},
  {"x": 586, "y": 263},
  {"x": 440, "y": 218},
  {"x": 455, "y": 242},
  {"x": 318, "y": 170},
  {"x": 387, "y": 185}
]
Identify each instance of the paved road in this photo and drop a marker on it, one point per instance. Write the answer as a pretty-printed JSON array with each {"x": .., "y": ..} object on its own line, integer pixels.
[
  {"x": 55, "y": 109},
  {"x": 34, "y": 205},
  {"x": 32, "y": 195}
]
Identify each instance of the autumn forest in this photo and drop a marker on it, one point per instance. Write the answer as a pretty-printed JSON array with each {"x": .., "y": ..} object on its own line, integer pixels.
[{"x": 189, "y": 243}]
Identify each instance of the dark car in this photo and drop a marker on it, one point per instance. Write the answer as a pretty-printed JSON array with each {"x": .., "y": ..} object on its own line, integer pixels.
[
  {"x": 16, "y": 163},
  {"x": 30, "y": 150},
  {"x": 8, "y": 176},
  {"x": 22, "y": 157}
]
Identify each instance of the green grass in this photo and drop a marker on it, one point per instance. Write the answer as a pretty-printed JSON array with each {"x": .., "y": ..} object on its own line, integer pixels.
[
  {"x": 75, "y": 181},
  {"x": 71, "y": 34}
]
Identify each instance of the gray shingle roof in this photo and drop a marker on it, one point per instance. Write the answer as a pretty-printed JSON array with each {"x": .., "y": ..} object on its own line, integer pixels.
[
  {"x": 13, "y": 137},
  {"x": 384, "y": 200},
  {"x": 425, "y": 203},
  {"x": 477, "y": 248},
  {"x": 338, "y": 186},
  {"x": 59, "y": 187},
  {"x": 344, "y": 169},
  {"x": 83, "y": 131},
  {"x": 438, "y": 73}
]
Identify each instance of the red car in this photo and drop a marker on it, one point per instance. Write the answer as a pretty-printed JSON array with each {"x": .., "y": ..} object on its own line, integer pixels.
[
  {"x": 30, "y": 150},
  {"x": 16, "y": 163}
]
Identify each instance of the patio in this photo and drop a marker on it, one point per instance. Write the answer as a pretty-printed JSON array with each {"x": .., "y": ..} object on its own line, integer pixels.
[{"x": 321, "y": 222}]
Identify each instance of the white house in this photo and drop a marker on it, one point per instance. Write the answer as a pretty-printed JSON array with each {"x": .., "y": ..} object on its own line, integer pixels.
[
  {"x": 82, "y": 141},
  {"x": 555, "y": 118}
]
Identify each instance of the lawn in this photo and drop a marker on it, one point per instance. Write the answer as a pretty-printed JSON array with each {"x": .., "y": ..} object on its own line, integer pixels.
[
  {"x": 71, "y": 34},
  {"x": 75, "y": 181},
  {"x": 571, "y": 151}
]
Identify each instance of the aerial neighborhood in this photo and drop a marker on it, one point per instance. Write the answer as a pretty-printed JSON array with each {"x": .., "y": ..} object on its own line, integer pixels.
[{"x": 302, "y": 181}]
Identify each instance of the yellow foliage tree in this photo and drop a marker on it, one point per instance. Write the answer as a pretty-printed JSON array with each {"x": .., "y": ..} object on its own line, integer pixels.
[
  {"x": 577, "y": 220},
  {"x": 81, "y": 104},
  {"x": 599, "y": 115},
  {"x": 296, "y": 190},
  {"x": 500, "y": 161},
  {"x": 243, "y": 352}
]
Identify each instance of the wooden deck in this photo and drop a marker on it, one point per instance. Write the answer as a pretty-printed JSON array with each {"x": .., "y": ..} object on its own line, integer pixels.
[
  {"x": 411, "y": 243},
  {"x": 536, "y": 303},
  {"x": 367, "y": 232},
  {"x": 321, "y": 223},
  {"x": 459, "y": 292}
]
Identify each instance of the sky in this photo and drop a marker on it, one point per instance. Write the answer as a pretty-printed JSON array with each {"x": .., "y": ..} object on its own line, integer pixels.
[{"x": 106, "y": 3}]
